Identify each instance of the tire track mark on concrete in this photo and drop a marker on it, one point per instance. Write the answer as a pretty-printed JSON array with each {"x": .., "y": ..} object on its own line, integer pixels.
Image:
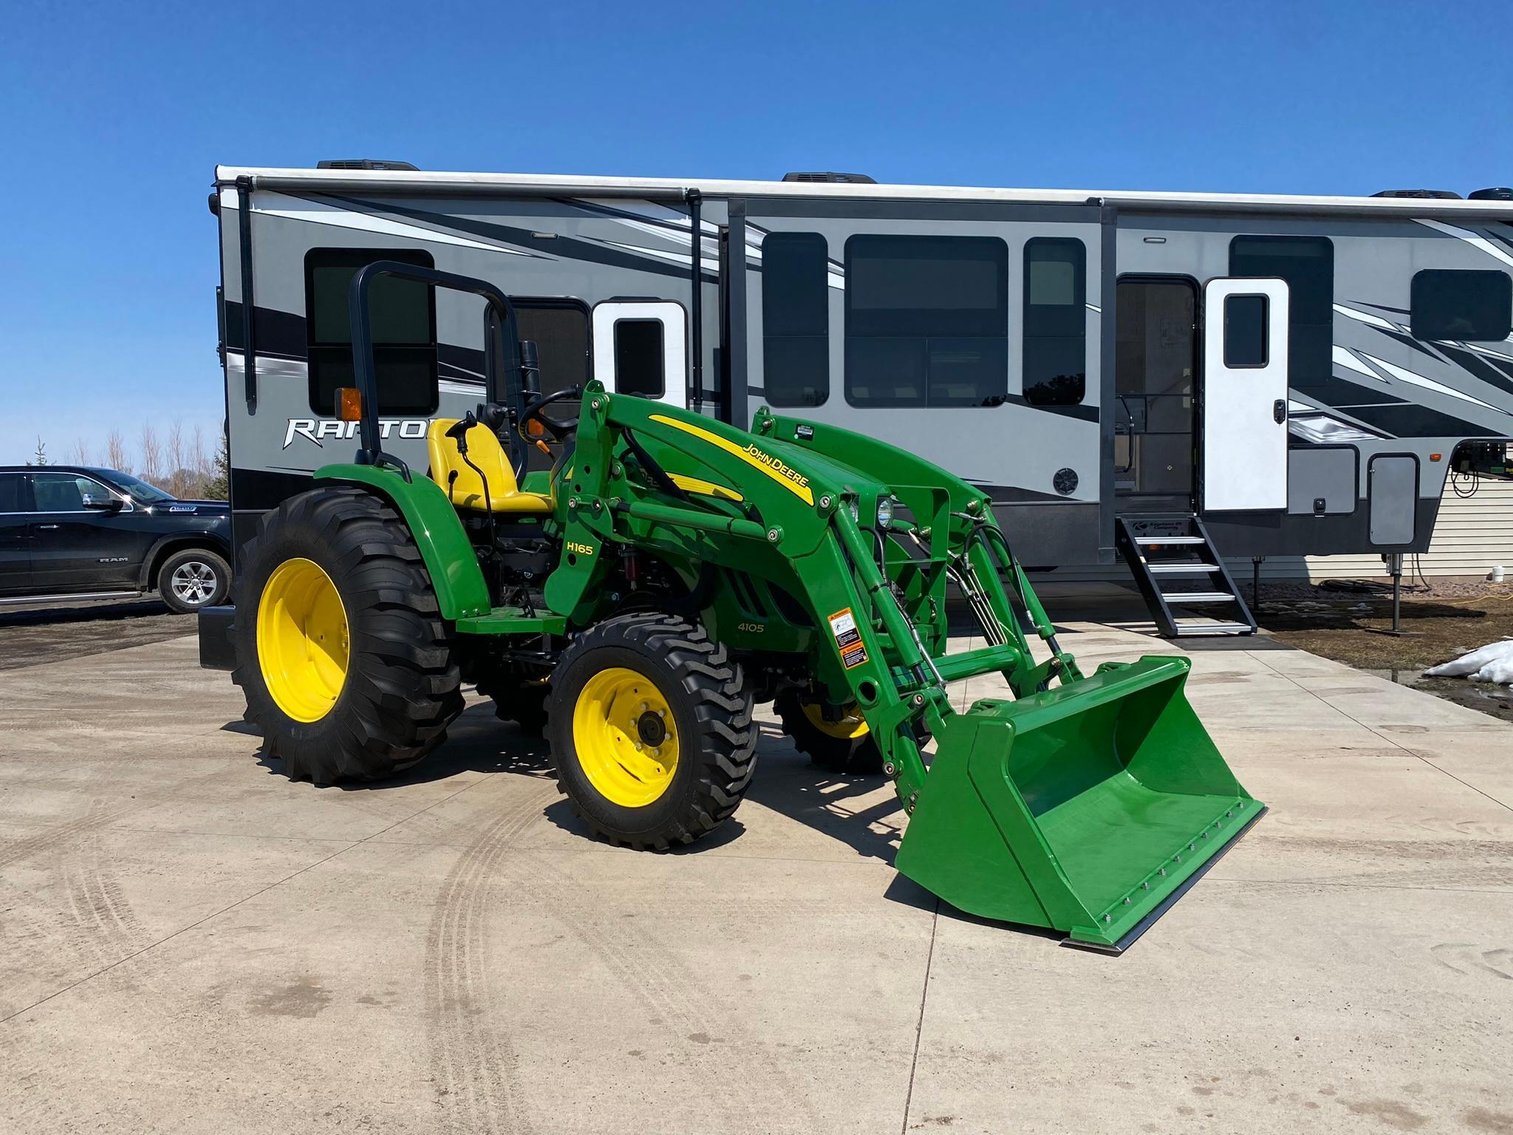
[
  {"x": 100, "y": 814},
  {"x": 688, "y": 1008},
  {"x": 20, "y": 850},
  {"x": 102, "y": 916},
  {"x": 90, "y": 924},
  {"x": 474, "y": 1065},
  {"x": 76, "y": 910}
]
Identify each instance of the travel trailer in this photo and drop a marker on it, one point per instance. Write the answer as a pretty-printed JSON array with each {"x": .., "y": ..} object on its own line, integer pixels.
[{"x": 1168, "y": 377}]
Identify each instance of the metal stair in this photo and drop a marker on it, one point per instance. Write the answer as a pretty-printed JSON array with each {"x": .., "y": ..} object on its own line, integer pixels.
[{"x": 1182, "y": 576}]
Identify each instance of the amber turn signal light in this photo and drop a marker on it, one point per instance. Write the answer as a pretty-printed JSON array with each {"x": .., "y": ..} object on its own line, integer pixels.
[{"x": 349, "y": 403}]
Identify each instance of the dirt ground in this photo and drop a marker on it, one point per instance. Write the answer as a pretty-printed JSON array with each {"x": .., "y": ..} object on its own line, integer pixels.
[
  {"x": 1441, "y": 619},
  {"x": 30, "y": 635}
]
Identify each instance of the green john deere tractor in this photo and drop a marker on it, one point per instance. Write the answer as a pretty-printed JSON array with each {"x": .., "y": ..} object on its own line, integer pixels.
[{"x": 669, "y": 573}]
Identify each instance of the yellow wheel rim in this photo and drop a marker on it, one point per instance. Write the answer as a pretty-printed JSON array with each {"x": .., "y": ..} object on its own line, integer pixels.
[
  {"x": 625, "y": 738},
  {"x": 302, "y": 642},
  {"x": 848, "y": 727}
]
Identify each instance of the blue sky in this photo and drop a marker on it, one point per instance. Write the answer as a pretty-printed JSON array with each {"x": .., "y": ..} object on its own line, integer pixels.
[{"x": 113, "y": 116}]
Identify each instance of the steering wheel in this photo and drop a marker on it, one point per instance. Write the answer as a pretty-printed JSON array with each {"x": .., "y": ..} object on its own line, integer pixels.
[{"x": 561, "y": 428}]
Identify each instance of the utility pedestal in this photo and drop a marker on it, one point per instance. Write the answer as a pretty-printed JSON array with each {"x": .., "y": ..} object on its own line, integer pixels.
[{"x": 1394, "y": 561}]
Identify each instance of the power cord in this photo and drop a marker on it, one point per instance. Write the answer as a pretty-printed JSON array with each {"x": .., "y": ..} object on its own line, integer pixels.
[{"x": 1457, "y": 478}]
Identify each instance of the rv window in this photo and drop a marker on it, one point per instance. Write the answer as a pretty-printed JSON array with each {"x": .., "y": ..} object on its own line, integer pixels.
[
  {"x": 559, "y": 328},
  {"x": 1462, "y": 305},
  {"x": 795, "y": 319},
  {"x": 1055, "y": 322},
  {"x": 926, "y": 320},
  {"x": 404, "y": 330},
  {"x": 1307, "y": 264},
  {"x": 1247, "y": 325},
  {"x": 640, "y": 366}
]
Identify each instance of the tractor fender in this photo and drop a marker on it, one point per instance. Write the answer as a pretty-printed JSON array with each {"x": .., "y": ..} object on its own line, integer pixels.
[{"x": 444, "y": 546}]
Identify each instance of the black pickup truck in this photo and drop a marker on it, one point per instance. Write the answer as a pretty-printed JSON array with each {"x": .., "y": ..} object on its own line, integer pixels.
[{"x": 67, "y": 531}]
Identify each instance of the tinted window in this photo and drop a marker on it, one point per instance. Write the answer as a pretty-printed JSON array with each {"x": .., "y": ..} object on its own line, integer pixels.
[
  {"x": 1307, "y": 264},
  {"x": 926, "y": 321},
  {"x": 1055, "y": 323},
  {"x": 10, "y": 492},
  {"x": 139, "y": 490},
  {"x": 559, "y": 328},
  {"x": 66, "y": 492},
  {"x": 404, "y": 330},
  {"x": 1247, "y": 324},
  {"x": 640, "y": 366},
  {"x": 795, "y": 319},
  {"x": 1462, "y": 305}
]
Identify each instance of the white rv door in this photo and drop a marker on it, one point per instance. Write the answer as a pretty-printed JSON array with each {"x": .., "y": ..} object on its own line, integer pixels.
[
  {"x": 1244, "y": 450},
  {"x": 640, "y": 347}
]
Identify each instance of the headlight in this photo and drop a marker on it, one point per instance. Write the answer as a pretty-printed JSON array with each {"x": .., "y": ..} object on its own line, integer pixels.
[
  {"x": 884, "y": 511},
  {"x": 856, "y": 510}
]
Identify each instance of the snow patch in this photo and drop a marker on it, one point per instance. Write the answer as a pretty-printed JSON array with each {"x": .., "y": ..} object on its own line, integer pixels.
[{"x": 1490, "y": 663}]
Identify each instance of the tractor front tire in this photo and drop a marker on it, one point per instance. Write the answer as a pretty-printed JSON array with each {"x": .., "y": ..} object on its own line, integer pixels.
[
  {"x": 651, "y": 730},
  {"x": 340, "y": 646},
  {"x": 843, "y": 746}
]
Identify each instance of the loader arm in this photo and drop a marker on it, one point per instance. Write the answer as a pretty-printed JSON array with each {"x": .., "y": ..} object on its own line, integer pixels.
[
  {"x": 1084, "y": 803},
  {"x": 792, "y": 524},
  {"x": 877, "y": 596}
]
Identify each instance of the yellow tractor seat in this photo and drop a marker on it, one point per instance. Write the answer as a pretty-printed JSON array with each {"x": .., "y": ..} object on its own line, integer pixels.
[{"x": 463, "y": 486}]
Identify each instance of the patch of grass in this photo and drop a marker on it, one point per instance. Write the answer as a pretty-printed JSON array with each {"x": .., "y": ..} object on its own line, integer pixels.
[{"x": 1357, "y": 630}]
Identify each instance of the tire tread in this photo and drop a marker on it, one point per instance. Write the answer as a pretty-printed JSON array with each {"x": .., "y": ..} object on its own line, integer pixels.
[
  {"x": 403, "y": 685},
  {"x": 718, "y": 700}
]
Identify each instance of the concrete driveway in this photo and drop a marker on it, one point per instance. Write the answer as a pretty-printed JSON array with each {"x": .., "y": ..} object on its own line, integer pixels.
[{"x": 194, "y": 944}]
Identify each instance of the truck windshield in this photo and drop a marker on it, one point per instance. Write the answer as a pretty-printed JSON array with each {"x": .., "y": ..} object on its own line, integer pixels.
[{"x": 139, "y": 491}]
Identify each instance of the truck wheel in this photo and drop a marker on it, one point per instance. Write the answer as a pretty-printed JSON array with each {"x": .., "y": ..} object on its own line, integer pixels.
[
  {"x": 340, "y": 646},
  {"x": 651, "y": 730},
  {"x": 519, "y": 696},
  {"x": 844, "y": 745},
  {"x": 193, "y": 578}
]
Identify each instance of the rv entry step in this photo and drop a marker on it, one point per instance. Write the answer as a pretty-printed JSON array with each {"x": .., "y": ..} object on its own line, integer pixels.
[{"x": 1181, "y": 576}]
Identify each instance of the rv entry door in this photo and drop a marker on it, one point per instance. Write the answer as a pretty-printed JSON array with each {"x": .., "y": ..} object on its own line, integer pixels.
[
  {"x": 1244, "y": 450},
  {"x": 640, "y": 347}
]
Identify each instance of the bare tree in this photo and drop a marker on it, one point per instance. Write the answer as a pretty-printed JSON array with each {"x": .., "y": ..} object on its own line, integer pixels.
[
  {"x": 115, "y": 452},
  {"x": 152, "y": 454},
  {"x": 199, "y": 460},
  {"x": 174, "y": 448},
  {"x": 79, "y": 455},
  {"x": 40, "y": 456}
]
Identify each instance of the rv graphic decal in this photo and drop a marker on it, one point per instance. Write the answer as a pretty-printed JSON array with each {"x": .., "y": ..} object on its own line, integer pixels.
[
  {"x": 531, "y": 243},
  {"x": 321, "y": 430}
]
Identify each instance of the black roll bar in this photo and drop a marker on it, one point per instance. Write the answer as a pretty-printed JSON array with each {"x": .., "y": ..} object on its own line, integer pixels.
[{"x": 501, "y": 350}]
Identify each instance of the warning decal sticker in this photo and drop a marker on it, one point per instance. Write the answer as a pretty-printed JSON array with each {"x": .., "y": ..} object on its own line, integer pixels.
[{"x": 847, "y": 638}]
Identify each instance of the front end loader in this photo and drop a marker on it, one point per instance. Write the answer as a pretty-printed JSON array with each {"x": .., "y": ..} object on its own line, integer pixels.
[{"x": 669, "y": 573}]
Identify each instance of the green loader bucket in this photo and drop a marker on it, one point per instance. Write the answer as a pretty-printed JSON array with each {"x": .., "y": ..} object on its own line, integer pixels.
[{"x": 1088, "y": 808}]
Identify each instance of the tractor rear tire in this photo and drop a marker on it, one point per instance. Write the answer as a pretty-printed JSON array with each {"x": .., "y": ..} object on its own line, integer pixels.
[
  {"x": 340, "y": 645},
  {"x": 841, "y": 747},
  {"x": 651, "y": 730}
]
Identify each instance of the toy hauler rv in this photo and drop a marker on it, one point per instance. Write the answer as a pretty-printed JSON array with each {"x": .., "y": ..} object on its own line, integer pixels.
[{"x": 1170, "y": 378}]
